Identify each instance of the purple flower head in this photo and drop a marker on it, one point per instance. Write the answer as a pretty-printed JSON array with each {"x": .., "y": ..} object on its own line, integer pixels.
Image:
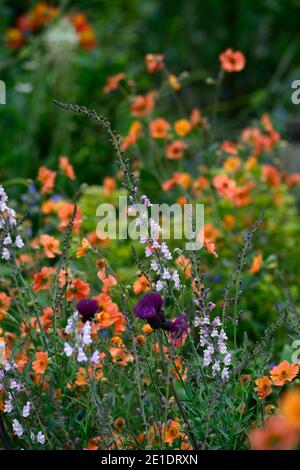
[
  {"x": 87, "y": 308},
  {"x": 149, "y": 308},
  {"x": 179, "y": 326}
]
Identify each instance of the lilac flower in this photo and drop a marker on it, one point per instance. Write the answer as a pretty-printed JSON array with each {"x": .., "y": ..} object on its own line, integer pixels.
[
  {"x": 87, "y": 308},
  {"x": 150, "y": 309},
  {"x": 17, "y": 428},
  {"x": 179, "y": 326}
]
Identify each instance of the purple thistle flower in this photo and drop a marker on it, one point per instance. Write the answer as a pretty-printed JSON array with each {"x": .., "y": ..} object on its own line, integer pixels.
[
  {"x": 150, "y": 309},
  {"x": 87, "y": 308},
  {"x": 179, "y": 326}
]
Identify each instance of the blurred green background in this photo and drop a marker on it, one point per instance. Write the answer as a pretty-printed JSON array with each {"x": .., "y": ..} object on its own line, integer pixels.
[{"x": 191, "y": 34}]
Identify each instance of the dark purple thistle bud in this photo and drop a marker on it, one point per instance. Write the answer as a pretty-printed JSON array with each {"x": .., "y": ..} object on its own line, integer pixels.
[
  {"x": 87, "y": 308},
  {"x": 150, "y": 309},
  {"x": 179, "y": 326}
]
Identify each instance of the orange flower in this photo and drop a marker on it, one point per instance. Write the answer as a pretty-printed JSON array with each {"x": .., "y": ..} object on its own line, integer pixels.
[
  {"x": 109, "y": 314},
  {"x": 113, "y": 82},
  {"x": 290, "y": 407},
  {"x": 245, "y": 378},
  {"x": 210, "y": 248},
  {"x": 283, "y": 373},
  {"x": 81, "y": 377},
  {"x": 229, "y": 221},
  {"x": 232, "y": 164},
  {"x": 175, "y": 150},
  {"x": 119, "y": 424},
  {"x": 277, "y": 434},
  {"x": 109, "y": 186},
  {"x": 199, "y": 184},
  {"x": 224, "y": 185},
  {"x": 196, "y": 119},
  {"x": 141, "y": 285},
  {"x": 183, "y": 179},
  {"x": 256, "y": 264},
  {"x": 67, "y": 168},
  {"x": 174, "y": 83},
  {"x": 159, "y": 128},
  {"x": 142, "y": 105},
  {"x": 179, "y": 371},
  {"x": 229, "y": 147},
  {"x": 41, "y": 363},
  {"x": 241, "y": 196},
  {"x": 50, "y": 245},
  {"x": 263, "y": 387},
  {"x": 87, "y": 38},
  {"x": 65, "y": 212},
  {"x": 132, "y": 136},
  {"x": 171, "y": 431},
  {"x": 154, "y": 62},
  {"x": 185, "y": 264},
  {"x": 182, "y": 127},
  {"x": 82, "y": 250},
  {"x": 147, "y": 329},
  {"x": 14, "y": 38},
  {"x": 5, "y": 302},
  {"x": 232, "y": 61},
  {"x": 47, "y": 179},
  {"x": 271, "y": 175},
  {"x": 42, "y": 279},
  {"x": 211, "y": 233},
  {"x": 120, "y": 356},
  {"x": 78, "y": 290}
]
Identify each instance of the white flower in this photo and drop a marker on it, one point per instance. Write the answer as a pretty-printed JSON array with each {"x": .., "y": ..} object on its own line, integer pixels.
[
  {"x": 225, "y": 374},
  {"x": 159, "y": 286},
  {"x": 26, "y": 410},
  {"x": 227, "y": 359},
  {"x": 86, "y": 333},
  {"x": 166, "y": 274},
  {"x": 19, "y": 242},
  {"x": 81, "y": 356},
  {"x": 17, "y": 428},
  {"x": 8, "y": 407},
  {"x": 7, "y": 240},
  {"x": 40, "y": 438},
  {"x": 176, "y": 279},
  {"x": 95, "y": 357},
  {"x": 68, "y": 350},
  {"x": 154, "y": 265},
  {"x": 5, "y": 254}
]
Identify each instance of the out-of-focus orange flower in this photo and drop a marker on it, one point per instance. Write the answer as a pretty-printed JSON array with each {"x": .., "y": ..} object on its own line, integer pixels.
[
  {"x": 5, "y": 302},
  {"x": 141, "y": 285},
  {"x": 224, "y": 185},
  {"x": 229, "y": 221},
  {"x": 271, "y": 175},
  {"x": 277, "y": 434},
  {"x": 41, "y": 363},
  {"x": 183, "y": 179},
  {"x": 292, "y": 179},
  {"x": 229, "y": 147},
  {"x": 42, "y": 14},
  {"x": 185, "y": 264},
  {"x": 283, "y": 373},
  {"x": 95, "y": 241},
  {"x": 67, "y": 168},
  {"x": 290, "y": 407},
  {"x": 263, "y": 387},
  {"x": 211, "y": 233},
  {"x": 65, "y": 212},
  {"x": 174, "y": 82},
  {"x": 159, "y": 129},
  {"x": 196, "y": 119},
  {"x": 182, "y": 127},
  {"x": 241, "y": 196},
  {"x": 175, "y": 150},
  {"x": 245, "y": 379},
  {"x": 171, "y": 431},
  {"x": 120, "y": 356},
  {"x": 199, "y": 184},
  {"x": 113, "y": 82},
  {"x": 210, "y": 248},
  {"x": 232, "y": 164},
  {"x": 82, "y": 250},
  {"x": 147, "y": 329},
  {"x": 251, "y": 163},
  {"x": 50, "y": 245},
  {"x": 232, "y": 61},
  {"x": 77, "y": 290},
  {"x": 256, "y": 264},
  {"x": 87, "y": 38},
  {"x": 179, "y": 371},
  {"x": 132, "y": 136},
  {"x": 42, "y": 279},
  {"x": 119, "y": 424},
  {"x": 14, "y": 38},
  {"x": 154, "y": 62},
  {"x": 47, "y": 179},
  {"x": 109, "y": 185},
  {"x": 142, "y": 105},
  {"x": 81, "y": 377}
]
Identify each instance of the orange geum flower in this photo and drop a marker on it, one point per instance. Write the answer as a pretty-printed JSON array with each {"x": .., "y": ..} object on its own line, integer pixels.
[
  {"x": 276, "y": 434},
  {"x": 147, "y": 329},
  {"x": 232, "y": 164},
  {"x": 109, "y": 186},
  {"x": 283, "y": 373},
  {"x": 42, "y": 279},
  {"x": 77, "y": 290},
  {"x": 290, "y": 407},
  {"x": 119, "y": 424},
  {"x": 154, "y": 62},
  {"x": 211, "y": 233},
  {"x": 174, "y": 82},
  {"x": 41, "y": 363},
  {"x": 65, "y": 212},
  {"x": 196, "y": 119},
  {"x": 50, "y": 245},
  {"x": 141, "y": 285},
  {"x": 159, "y": 128},
  {"x": 121, "y": 356},
  {"x": 256, "y": 264},
  {"x": 47, "y": 179},
  {"x": 14, "y": 38},
  {"x": 142, "y": 105},
  {"x": 67, "y": 168},
  {"x": 81, "y": 377},
  {"x": 185, "y": 264},
  {"x": 224, "y": 185},
  {"x": 175, "y": 150},
  {"x": 229, "y": 221},
  {"x": 232, "y": 61},
  {"x": 82, "y": 250},
  {"x": 263, "y": 387},
  {"x": 229, "y": 147},
  {"x": 171, "y": 431},
  {"x": 271, "y": 175},
  {"x": 5, "y": 302},
  {"x": 182, "y": 127},
  {"x": 113, "y": 82}
]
